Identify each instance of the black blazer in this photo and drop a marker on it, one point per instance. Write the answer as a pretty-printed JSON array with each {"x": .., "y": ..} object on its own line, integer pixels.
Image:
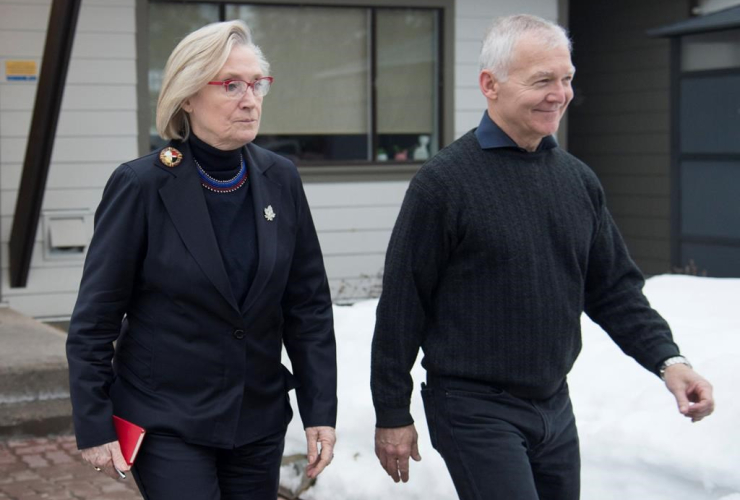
[{"x": 189, "y": 360}]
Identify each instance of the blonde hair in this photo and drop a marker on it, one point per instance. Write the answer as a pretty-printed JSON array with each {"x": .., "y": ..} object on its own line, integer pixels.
[
  {"x": 498, "y": 46},
  {"x": 196, "y": 60}
]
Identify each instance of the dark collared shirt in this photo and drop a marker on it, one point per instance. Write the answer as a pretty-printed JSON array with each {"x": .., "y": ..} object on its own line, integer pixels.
[{"x": 490, "y": 136}]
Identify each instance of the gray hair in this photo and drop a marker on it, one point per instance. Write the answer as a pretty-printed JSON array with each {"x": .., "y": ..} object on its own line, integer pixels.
[
  {"x": 498, "y": 46},
  {"x": 195, "y": 61}
]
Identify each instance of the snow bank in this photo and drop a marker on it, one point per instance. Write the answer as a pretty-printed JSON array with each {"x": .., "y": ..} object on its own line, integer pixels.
[{"x": 634, "y": 443}]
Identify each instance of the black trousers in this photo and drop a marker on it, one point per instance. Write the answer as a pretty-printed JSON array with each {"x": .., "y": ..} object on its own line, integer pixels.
[
  {"x": 497, "y": 446},
  {"x": 167, "y": 468}
]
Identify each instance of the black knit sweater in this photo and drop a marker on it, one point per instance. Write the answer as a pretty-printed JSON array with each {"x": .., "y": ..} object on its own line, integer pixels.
[{"x": 493, "y": 258}]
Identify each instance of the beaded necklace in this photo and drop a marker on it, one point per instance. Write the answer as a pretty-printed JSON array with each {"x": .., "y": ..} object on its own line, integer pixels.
[{"x": 227, "y": 186}]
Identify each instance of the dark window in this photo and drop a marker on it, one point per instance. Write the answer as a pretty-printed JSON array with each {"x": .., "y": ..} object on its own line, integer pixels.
[{"x": 352, "y": 85}]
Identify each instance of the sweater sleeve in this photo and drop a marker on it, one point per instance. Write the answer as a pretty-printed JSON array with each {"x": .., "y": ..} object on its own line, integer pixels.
[
  {"x": 417, "y": 253},
  {"x": 615, "y": 301}
]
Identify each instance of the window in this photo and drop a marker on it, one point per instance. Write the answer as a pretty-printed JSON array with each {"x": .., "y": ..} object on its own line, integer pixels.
[{"x": 352, "y": 85}]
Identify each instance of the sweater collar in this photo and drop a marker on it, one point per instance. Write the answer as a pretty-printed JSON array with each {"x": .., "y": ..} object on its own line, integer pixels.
[
  {"x": 213, "y": 159},
  {"x": 491, "y": 136}
]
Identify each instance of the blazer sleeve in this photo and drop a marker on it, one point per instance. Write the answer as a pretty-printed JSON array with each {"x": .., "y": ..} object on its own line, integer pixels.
[
  {"x": 308, "y": 332},
  {"x": 113, "y": 259}
]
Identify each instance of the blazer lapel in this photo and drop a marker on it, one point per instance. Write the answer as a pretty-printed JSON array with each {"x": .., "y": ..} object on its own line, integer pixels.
[
  {"x": 265, "y": 195},
  {"x": 186, "y": 205}
]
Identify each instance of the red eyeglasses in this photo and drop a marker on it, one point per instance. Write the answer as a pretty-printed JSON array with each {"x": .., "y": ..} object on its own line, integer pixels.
[{"x": 236, "y": 89}]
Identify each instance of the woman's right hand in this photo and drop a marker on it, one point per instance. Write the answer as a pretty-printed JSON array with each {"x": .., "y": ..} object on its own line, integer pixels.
[{"x": 106, "y": 457}]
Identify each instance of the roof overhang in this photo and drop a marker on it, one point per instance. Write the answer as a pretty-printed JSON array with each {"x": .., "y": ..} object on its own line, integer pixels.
[{"x": 725, "y": 19}]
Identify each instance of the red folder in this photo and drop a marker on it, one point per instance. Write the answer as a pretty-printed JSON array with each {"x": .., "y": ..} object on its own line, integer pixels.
[{"x": 130, "y": 437}]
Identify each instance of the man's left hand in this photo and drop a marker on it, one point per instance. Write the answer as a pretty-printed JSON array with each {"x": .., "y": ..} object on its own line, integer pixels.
[
  {"x": 323, "y": 438},
  {"x": 693, "y": 393}
]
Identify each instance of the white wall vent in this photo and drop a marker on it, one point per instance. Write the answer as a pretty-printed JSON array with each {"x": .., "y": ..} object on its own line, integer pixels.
[{"x": 67, "y": 234}]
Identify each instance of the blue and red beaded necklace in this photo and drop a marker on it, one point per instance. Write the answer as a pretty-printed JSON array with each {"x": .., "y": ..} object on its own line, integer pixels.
[{"x": 227, "y": 186}]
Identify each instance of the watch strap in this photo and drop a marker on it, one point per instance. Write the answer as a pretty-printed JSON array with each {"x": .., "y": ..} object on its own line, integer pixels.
[{"x": 673, "y": 360}]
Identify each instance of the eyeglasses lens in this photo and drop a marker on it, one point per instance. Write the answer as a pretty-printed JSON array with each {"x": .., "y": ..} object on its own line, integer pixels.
[
  {"x": 262, "y": 86},
  {"x": 237, "y": 89}
]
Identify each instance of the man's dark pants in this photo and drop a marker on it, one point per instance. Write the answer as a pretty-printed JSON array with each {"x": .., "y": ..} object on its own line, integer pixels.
[{"x": 497, "y": 446}]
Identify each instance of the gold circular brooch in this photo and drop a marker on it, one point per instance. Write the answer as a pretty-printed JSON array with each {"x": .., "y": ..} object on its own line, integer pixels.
[{"x": 170, "y": 157}]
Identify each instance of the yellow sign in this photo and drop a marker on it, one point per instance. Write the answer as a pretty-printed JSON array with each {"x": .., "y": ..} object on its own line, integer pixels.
[{"x": 21, "y": 70}]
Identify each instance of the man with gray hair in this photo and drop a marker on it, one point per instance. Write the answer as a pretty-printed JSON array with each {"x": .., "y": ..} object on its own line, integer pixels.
[{"x": 502, "y": 242}]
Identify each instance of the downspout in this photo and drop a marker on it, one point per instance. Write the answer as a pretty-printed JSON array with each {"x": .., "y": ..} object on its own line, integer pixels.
[{"x": 49, "y": 92}]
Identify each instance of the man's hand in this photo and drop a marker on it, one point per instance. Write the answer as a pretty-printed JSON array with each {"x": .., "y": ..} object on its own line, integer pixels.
[
  {"x": 319, "y": 459},
  {"x": 393, "y": 448},
  {"x": 106, "y": 457},
  {"x": 693, "y": 393}
]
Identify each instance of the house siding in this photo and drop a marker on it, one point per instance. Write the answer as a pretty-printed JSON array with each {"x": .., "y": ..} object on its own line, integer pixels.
[
  {"x": 96, "y": 132},
  {"x": 619, "y": 121}
]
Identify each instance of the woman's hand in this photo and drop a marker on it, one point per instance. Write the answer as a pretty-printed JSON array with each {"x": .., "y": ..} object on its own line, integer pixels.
[
  {"x": 107, "y": 458},
  {"x": 319, "y": 459}
]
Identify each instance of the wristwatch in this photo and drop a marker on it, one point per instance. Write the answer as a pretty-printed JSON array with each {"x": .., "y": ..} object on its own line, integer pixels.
[{"x": 675, "y": 360}]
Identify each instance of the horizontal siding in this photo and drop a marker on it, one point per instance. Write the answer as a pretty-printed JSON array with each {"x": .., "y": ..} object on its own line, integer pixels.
[
  {"x": 633, "y": 205},
  {"x": 63, "y": 175},
  {"x": 77, "y": 97},
  {"x": 73, "y": 123},
  {"x": 349, "y": 194},
  {"x": 27, "y": 44},
  {"x": 651, "y": 267},
  {"x": 45, "y": 305},
  {"x": 351, "y": 266},
  {"x": 626, "y": 164},
  {"x": 629, "y": 143},
  {"x": 630, "y": 80},
  {"x": 624, "y": 123},
  {"x": 595, "y": 105},
  {"x": 652, "y": 57},
  {"x": 643, "y": 227},
  {"x": 56, "y": 199},
  {"x": 354, "y": 223},
  {"x": 354, "y": 218},
  {"x": 6, "y": 222},
  {"x": 652, "y": 248},
  {"x": 47, "y": 280},
  {"x": 641, "y": 185},
  {"x": 39, "y": 261},
  {"x": 619, "y": 122},
  {"x": 97, "y": 130},
  {"x": 70, "y": 149}
]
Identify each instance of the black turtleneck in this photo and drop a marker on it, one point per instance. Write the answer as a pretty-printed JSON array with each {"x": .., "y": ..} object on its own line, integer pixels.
[{"x": 232, "y": 215}]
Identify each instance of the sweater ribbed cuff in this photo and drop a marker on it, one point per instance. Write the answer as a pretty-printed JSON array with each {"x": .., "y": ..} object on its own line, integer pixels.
[
  {"x": 660, "y": 355},
  {"x": 392, "y": 417}
]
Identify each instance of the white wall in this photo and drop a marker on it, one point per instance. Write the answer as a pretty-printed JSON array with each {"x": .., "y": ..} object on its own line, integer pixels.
[
  {"x": 354, "y": 223},
  {"x": 96, "y": 132}
]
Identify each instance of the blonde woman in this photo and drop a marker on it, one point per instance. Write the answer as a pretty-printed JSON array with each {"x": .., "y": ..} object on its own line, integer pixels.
[{"x": 203, "y": 264}]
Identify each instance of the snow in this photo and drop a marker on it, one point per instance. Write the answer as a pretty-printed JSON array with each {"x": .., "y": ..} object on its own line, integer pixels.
[{"x": 634, "y": 443}]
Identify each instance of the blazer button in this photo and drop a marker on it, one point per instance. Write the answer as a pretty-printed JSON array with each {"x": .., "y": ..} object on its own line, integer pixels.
[{"x": 238, "y": 334}]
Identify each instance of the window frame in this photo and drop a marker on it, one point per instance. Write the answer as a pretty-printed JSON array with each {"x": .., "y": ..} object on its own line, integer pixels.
[{"x": 330, "y": 170}]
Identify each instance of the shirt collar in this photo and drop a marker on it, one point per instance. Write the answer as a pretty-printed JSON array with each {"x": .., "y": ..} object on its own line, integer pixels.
[{"x": 490, "y": 136}]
